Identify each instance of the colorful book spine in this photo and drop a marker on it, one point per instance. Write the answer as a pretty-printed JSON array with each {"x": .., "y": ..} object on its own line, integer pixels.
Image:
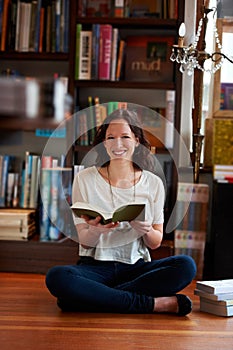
[
  {"x": 115, "y": 42},
  {"x": 120, "y": 57},
  {"x": 77, "y": 50},
  {"x": 4, "y": 27},
  {"x": 119, "y": 8},
  {"x": 105, "y": 50},
  {"x": 95, "y": 51},
  {"x": 170, "y": 116},
  {"x": 191, "y": 216},
  {"x": 58, "y": 25},
  {"x": 85, "y": 54}
]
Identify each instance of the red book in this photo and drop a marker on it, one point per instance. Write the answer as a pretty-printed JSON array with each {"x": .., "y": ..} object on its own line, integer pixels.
[{"x": 105, "y": 49}]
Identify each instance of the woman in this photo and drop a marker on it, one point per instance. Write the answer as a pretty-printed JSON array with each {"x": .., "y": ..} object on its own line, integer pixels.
[{"x": 115, "y": 272}]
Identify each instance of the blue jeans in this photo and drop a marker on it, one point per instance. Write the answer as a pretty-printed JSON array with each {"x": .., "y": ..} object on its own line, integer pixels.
[{"x": 100, "y": 286}]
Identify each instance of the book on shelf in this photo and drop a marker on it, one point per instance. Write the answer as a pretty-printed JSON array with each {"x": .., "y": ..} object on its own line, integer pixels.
[
  {"x": 120, "y": 60},
  {"x": 4, "y": 24},
  {"x": 223, "y": 172},
  {"x": 170, "y": 117},
  {"x": 147, "y": 58},
  {"x": 105, "y": 51},
  {"x": 115, "y": 43},
  {"x": 215, "y": 287},
  {"x": 77, "y": 50},
  {"x": 191, "y": 222},
  {"x": 54, "y": 214},
  {"x": 85, "y": 54},
  {"x": 128, "y": 212},
  {"x": 219, "y": 308},
  {"x": 119, "y": 8},
  {"x": 226, "y": 101},
  {"x": 222, "y": 141},
  {"x": 95, "y": 51},
  {"x": 6, "y": 165}
]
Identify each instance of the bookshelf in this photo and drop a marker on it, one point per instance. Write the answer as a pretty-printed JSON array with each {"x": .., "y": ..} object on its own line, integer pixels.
[{"x": 38, "y": 64}]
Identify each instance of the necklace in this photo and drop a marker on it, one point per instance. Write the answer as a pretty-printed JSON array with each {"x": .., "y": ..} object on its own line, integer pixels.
[{"x": 110, "y": 186}]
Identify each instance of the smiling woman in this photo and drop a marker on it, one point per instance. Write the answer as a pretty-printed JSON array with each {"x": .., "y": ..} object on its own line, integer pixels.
[{"x": 115, "y": 272}]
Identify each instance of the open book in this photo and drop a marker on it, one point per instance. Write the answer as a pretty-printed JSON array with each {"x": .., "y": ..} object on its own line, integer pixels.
[{"x": 128, "y": 212}]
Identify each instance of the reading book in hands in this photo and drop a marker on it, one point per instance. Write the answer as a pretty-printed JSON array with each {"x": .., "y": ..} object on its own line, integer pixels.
[{"x": 128, "y": 212}]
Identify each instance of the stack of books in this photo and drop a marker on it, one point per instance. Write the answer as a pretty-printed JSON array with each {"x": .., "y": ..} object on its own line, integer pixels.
[
  {"x": 17, "y": 224},
  {"x": 216, "y": 297}
]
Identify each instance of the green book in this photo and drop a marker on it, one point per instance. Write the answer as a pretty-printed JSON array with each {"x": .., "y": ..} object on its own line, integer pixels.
[{"x": 128, "y": 212}]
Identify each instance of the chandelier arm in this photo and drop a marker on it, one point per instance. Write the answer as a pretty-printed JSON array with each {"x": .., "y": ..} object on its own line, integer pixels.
[{"x": 221, "y": 55}]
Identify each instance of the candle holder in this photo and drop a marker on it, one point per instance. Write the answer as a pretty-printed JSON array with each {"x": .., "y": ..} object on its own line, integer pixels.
[{"x": 190, "y": 58}]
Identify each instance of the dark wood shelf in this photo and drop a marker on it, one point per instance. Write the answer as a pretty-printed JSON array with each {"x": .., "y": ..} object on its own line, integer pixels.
[
  {"x": 36, "y": 257},
  {"x": 26, "y": 124},
  {"x": 34, "y": 56},
  {"x": 122, "y": 84},
  {"x": 131, "y": 22}
]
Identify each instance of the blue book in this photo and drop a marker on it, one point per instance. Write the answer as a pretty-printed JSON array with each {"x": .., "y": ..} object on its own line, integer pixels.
[
  {"x": 66, "y": 25},
  {"x": 95, "y": 51},
  {"x": 37, "y": 27},
  {"x": 58, "y": 26},
  {"x": 5, "y": 161}
]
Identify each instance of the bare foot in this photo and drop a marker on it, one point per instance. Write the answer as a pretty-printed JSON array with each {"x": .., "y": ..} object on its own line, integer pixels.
[{"x": 166, "y": 304}]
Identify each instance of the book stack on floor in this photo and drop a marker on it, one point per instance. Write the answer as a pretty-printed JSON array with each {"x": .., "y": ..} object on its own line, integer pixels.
[{"x": 216, "y": 297}]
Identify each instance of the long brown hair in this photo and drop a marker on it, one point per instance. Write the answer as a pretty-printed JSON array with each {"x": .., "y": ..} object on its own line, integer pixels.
[{"x": 142, "y": 158}]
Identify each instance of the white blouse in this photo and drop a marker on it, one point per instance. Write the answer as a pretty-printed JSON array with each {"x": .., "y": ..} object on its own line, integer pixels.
[{"x": 123, "y": 243}]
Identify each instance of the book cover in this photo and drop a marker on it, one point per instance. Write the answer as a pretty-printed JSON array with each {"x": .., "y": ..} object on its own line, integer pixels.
[
  {"x": 147, "y": 58},
  {"x": 222, "y": 141},
  {"x": 85, "y": 49},
  {"x": 128, "y": 212},
  {"x": 115, "y": 42},
  {"x": 77, "y": 50},
  {"x": 95, "y": 51},
  {"x": 219, "y": 310},
  {"x": 170, "y": 116},
  {"x": 120, "y": 59},
  {"x": 105, "y": 51},
  {"x": 218, "y": 286},
  {"x": 4, "y": 28},
  {"x": 119, "y": 8},
  {"x": 227, "y": 96},
  {"x": 213, "y": 297}
]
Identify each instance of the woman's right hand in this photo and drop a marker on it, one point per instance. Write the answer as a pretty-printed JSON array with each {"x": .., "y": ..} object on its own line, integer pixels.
[{"x": 95, "y": 224}]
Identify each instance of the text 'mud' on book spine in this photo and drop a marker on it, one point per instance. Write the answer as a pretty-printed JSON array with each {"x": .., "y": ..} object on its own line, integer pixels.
[{"x": 147, "y": 59}]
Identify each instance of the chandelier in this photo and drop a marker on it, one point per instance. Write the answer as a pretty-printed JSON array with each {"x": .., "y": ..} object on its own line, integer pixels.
[{"x": 190, "y": 58}]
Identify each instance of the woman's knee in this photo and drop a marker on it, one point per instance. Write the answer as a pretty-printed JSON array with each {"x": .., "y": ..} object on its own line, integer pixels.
[
  {"x": 188, "y": 265},
  {"x": 54, "y": 278}
]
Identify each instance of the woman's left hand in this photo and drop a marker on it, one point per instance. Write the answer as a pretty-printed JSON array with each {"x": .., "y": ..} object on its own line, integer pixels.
[{"x": 142, "y": 227}]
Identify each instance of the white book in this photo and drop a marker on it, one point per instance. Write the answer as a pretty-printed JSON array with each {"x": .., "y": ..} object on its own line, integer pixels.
[
  {"x": 219, "y": 310},
  {"x": 170, "y": 115},
  {"x": 115, "y": 36},
  {"x": 214, "y": 287},
  {"x": 214, "y": 297},
  {"x": 85, "y": 54}
]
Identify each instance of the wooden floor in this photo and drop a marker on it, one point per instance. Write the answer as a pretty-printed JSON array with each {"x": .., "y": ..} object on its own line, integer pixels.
[{"x": 30, "y": 320}]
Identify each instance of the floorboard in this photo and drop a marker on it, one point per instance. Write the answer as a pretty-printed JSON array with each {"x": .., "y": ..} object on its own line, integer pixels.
[{"x": 30, "y": 319}]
